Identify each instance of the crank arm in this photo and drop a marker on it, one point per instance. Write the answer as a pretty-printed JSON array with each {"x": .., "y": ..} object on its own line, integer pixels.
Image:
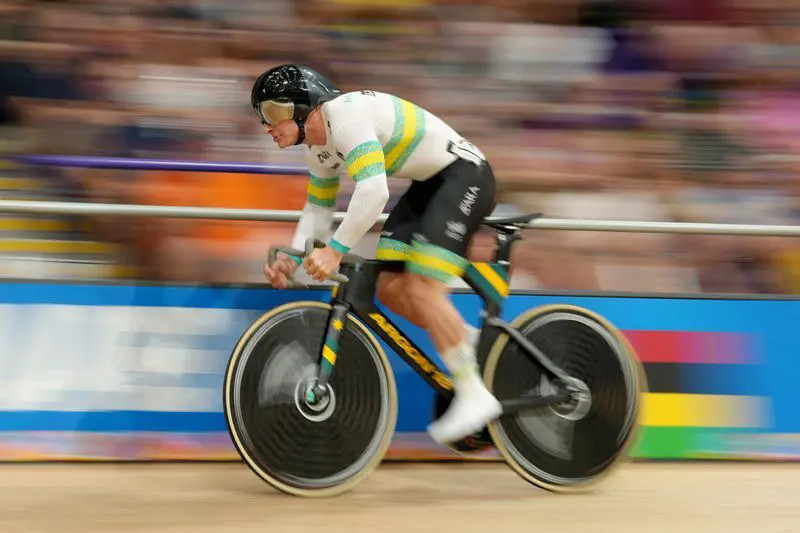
[{"x": 515, "y": 405}]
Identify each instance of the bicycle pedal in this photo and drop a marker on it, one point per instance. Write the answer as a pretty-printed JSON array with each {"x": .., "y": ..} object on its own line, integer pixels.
[{"x": 477, "y": 442}]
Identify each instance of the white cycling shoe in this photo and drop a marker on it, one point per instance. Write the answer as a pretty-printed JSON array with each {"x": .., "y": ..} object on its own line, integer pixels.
[{"x": 473, "y": 407}]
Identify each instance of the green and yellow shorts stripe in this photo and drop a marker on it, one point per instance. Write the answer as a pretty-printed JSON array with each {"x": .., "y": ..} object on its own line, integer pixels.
[
  {"x": 423, "y": 258},
  {"x": 391, "y": 250}
]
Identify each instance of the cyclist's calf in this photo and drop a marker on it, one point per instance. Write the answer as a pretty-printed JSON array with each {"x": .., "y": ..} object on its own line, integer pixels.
[
  {"x": 392, "y": 291},
  {"x": 425, "y": 303}
]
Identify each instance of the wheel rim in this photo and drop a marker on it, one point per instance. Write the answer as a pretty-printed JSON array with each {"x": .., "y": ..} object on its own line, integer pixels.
[
  {"x": 563, "y": 445},
  {"x": 298, "y": 444}
]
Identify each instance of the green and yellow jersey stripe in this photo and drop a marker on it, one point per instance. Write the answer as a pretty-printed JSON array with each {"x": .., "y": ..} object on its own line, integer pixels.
[
  {"x": 365, "y": 161},
  {"x": 370, "y": 159},
  {"x": 409, "y": 129},
  {"x": 322, "y": 191}
]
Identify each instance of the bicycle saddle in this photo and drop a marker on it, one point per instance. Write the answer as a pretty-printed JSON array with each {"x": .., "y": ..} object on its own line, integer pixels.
[{"x": 510, "y": 223}]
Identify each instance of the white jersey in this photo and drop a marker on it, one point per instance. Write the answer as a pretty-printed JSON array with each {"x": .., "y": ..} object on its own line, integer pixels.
[{"x": 372, "y": 136}]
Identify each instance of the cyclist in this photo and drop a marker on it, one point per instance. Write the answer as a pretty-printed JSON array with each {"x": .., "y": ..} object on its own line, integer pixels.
[{"x": 368, "y": 136}]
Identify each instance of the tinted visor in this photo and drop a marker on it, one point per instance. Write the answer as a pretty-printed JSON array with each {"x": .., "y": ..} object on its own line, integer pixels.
[{"x": 272, "y": 112}]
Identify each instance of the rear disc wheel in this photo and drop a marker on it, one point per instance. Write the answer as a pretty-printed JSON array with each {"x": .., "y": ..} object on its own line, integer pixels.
[{"x": 570, "y": 446}]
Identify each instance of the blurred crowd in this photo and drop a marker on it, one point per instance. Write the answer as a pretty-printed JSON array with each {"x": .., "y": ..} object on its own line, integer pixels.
[{"x": 646, "y": 110}]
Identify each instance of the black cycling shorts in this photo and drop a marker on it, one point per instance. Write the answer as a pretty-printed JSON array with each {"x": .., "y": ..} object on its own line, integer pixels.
[{"x": 433, "y": 222}]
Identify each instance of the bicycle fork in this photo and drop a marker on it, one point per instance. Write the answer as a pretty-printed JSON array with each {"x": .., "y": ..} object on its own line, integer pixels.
[{"x": 330, "y": 349}]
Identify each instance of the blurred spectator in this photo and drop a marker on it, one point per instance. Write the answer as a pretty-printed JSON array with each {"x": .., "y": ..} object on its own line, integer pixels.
[{"x": 660, "y": 110}]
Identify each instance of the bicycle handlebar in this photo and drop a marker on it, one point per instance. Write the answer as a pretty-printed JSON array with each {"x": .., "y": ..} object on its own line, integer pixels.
[{"x": 310, "y": 244}]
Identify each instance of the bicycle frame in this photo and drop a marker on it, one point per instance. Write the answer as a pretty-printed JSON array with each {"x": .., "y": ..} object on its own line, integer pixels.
[{"x": 488, "y": 279}]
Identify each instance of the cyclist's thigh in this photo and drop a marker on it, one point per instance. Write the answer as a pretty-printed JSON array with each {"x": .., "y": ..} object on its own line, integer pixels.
[
  {"x": 454, "y": 215},
  {"x": 404, "y": 220}
]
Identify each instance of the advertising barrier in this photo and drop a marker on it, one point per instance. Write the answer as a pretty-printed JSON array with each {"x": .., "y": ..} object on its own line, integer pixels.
[{"x": 134, "y": 372}]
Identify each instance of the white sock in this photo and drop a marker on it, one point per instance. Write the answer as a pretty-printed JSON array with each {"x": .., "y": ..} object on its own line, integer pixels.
[
  {"x": 473, "y": 335},
  {"x": 462, "y": 364}
]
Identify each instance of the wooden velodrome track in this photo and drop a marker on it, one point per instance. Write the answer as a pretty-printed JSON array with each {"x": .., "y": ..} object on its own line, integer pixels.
[{"x": 414, "y": 497}]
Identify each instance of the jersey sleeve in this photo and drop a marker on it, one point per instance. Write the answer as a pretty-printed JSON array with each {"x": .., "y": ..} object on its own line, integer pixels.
[
  {"x": 316, "y": 218},
  {"x": 365, "y": 165}
]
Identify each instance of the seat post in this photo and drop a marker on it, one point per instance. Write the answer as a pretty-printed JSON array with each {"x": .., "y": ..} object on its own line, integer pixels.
[
  {"x": 506, "y": 232},
  {"x": 505, "y": 237}
]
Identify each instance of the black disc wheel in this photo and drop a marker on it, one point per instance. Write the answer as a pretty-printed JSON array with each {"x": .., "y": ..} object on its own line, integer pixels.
[
  {"x": 570, "y": 446},
  {"x": 297, "y": 440}
]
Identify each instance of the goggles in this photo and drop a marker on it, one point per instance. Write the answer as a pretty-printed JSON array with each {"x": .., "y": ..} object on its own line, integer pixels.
[{"x": 272, "y": 112}]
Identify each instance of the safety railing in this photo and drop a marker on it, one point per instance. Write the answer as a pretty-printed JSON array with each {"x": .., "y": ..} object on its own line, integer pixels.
[{"x": 91, "y": 208}]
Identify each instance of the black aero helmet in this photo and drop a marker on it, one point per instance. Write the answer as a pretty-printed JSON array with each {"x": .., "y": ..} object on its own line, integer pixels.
[{"x": 290, "y": 92}]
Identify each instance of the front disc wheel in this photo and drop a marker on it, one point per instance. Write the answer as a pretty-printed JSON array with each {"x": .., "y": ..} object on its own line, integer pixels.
[{"x": 301, "y": 438}]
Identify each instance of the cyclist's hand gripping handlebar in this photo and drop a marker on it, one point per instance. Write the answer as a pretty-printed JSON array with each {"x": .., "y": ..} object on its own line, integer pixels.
[{"x": 310, "y": 244}]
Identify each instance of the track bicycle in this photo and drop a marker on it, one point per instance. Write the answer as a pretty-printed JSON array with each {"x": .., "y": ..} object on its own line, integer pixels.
[{"x": 310, "y": 397}]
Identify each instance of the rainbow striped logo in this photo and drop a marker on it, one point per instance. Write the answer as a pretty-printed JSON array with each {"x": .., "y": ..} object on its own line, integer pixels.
[{"x": 702, "y": 385}]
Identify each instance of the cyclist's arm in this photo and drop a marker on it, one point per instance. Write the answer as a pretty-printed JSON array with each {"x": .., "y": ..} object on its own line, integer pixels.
[
  {"x": 316, "y": 218},
  {"x": 365, "y": 165}
]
